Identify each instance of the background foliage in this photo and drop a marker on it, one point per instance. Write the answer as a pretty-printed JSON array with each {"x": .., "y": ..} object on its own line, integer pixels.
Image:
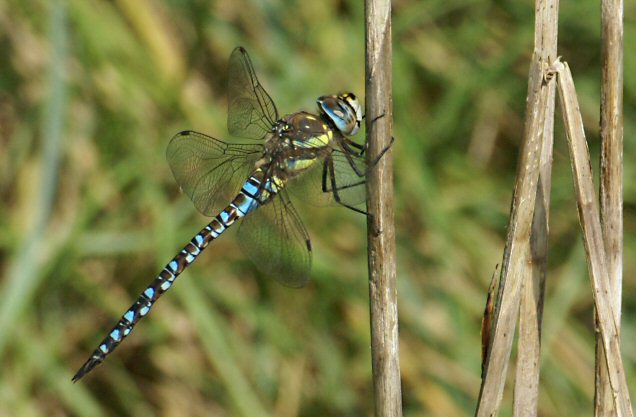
[{"x": 92, "y": 90}]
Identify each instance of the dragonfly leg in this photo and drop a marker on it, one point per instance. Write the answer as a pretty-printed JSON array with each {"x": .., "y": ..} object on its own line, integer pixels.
[
  {"x": 334, "y": 187},
  {"x": 348, "y": 146},
  {"x": 325, "y": 169},
  {"x": 346, "y": 143},
  {"x": 376, "y": 118},
  {"x": 385, "y": 150},
  {"x": 326, "y": 172},
  {"x": 375, "y": 161},
  {"x": 348, "y": 152},
  {"x": 353, "y": 165}
]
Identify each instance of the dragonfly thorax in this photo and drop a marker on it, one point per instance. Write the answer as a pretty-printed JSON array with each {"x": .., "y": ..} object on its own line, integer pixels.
[
  {"x": 298, "y": 140},
  {"x": 306, "y": 130}
]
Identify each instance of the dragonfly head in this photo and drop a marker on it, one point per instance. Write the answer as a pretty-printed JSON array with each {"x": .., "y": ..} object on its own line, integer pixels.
[{"x": 343, "y": 110}]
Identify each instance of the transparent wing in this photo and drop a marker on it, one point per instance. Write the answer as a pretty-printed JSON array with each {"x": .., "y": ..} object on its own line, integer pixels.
[
  {"x": 350, "y": 173},
  {"x": 276, "y": 240},
  {"x": 251, "y": 111},
  {"x": 210, "y": 171},
  {"x": 316, "y": 187}
]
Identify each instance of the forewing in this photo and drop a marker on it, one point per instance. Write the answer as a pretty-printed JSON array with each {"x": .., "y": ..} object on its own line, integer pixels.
[
  {"x": 251, "y": 111},
  {"x": 210, "y": 171},
  {"x": 276, "y": 240}
]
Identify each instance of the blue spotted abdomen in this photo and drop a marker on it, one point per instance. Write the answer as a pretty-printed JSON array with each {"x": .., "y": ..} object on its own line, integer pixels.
[{"x": 252, "y": 195}]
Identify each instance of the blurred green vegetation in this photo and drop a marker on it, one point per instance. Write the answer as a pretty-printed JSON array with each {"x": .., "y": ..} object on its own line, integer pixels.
[{"x": 92, "y": 90}]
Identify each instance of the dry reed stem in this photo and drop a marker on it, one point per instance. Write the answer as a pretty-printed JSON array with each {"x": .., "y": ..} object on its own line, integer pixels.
[
  {"x": 593, "y": 239},
  {"x": 611, "y": 195},
  {"x": 380, "y": 227},
  {"x": 517, "y": 244},
  {"x": 526, "y": 391}
]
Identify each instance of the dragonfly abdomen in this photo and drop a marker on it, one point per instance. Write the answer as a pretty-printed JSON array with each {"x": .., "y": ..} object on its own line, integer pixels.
[{"x": 251, "y": 196}]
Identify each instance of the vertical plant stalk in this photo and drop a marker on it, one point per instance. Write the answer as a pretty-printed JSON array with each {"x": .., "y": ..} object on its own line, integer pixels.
[
  {"x": 593, "y": 240},
  {"x": 611, "y": 195},
  {"x": 517, "y": 245},
  {"x": 380, "y": 228},
  {"x": 526, "y": 392},
  {"x": 535, "y": 158}
]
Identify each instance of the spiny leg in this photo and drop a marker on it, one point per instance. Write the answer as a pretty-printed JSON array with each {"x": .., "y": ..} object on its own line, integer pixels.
[
  {"x": 377, "y": 159},
  {"x": 348, "y": 144},
  {"x": 334, "y": 187},
  {"x": 385, "y": 150},
  {"x": 349, "y": 154},
  {"x": 353, "y": 165},
  {"x": 325, "y": 168},
  {"x": 325, "y": 173}
]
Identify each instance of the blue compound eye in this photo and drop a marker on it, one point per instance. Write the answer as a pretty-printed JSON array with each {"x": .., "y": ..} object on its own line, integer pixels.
[{"x": 344, "y": 110}]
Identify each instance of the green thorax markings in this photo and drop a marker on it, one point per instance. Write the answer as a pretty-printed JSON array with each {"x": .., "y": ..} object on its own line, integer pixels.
[{"x": 297, "y": 143}]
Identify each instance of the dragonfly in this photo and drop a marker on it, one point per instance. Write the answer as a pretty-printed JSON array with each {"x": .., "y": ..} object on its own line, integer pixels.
[{"x": 302, "y": 149}]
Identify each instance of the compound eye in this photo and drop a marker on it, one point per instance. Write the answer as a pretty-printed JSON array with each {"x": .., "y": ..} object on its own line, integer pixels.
[
  {"x": 343, "y": 110},
  {"x": 339, "y": 113}
]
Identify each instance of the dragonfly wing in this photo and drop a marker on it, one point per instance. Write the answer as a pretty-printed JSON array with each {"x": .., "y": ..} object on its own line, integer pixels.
[
  {"x": 276, "y": 240},
  {"x": 251, "y": 111},
  {"x": 350, "y": 172},
  {"x": 315, "y": 186},
  {"x": 209, "y": 170}
]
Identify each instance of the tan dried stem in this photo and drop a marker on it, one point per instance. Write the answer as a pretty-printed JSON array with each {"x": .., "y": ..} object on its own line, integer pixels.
[{"x": 381, "y": 232}]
